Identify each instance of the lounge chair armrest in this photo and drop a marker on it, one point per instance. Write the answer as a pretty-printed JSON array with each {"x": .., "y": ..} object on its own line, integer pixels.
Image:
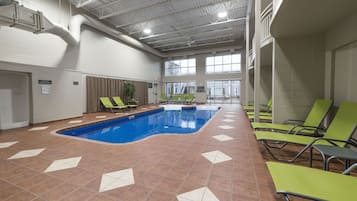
[
  {"x": 349, "y": 170},
  {"x": 312, "y": 128},
  {"x": 294, "y": 122},
  {"x": 332, "y": 141}
]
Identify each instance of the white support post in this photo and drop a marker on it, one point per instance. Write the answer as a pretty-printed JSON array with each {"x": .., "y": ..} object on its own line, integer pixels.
[
  {"x": 257, "y": 85},
  {"x": 247, "y": 48}
]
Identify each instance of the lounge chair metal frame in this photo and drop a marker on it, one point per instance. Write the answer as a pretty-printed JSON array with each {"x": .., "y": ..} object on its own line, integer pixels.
[
  {"x": 344, "y": 110},
  {"x": 309, "y": 146},
  {"x": 299, "y": 124}
]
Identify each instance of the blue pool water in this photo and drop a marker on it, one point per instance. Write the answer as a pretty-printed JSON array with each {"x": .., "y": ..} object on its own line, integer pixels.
[{"x": 140, "y": 126}]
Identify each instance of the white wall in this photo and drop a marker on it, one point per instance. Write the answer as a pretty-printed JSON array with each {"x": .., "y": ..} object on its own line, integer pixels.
[
  {"x": 298, "y": 76},
  {"x": 341, "y": 48},
  {"x": 14, "y": 99},
  {"x": 345, "y": 81},
  {"x": 48, "y": 57}
]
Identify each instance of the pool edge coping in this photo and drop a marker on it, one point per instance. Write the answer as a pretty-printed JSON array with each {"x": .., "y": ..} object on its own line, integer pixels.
[{"x": 55, "y": 132}]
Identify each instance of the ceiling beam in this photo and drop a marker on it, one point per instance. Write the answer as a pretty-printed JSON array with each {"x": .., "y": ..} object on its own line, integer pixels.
[
  {"x": 199, "y": 45},
  {"x": 192, "y": 28},
  {"x": 127, "y": 8},
  {"x": 188, "y": 42},
  {"x": 188, "y": 20},
  {"x": 81, "y": 3},
  {"x": 197, "y": 34},
  {"x": 171, "y": 13}
]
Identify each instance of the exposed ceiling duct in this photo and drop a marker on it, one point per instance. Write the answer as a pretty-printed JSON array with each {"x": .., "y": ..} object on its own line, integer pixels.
[
  {"x": 182, "y": 21},
  {"x": 14, "y": 15}
]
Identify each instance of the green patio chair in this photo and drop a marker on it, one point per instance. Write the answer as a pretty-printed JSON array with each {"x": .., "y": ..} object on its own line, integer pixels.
[
  {"x": 261, "y": 117},
  {"x": 109, "y": 105},
  {"x": 266, "y": 107},
  {"x": 176, "y": 98},
  {"x": 117, "y": 100},
  {"x": 338, "y": 133},
  {"x": 317, "y": 114},
  {"x": 163, "y": 98},
  {"x": 313, "y": 184},
  {"x": 190, "y": 98}
]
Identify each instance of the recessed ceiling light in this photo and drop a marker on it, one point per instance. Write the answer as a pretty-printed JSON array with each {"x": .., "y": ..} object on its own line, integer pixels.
[
  {"x": 222, "y": 14},
  {"x": 147, "y": 31}
]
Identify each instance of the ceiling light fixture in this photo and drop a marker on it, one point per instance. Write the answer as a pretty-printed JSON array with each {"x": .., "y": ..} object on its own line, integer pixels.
[
  {"x": 222, "y": 14},
  {"x": 147, "y": 31}
]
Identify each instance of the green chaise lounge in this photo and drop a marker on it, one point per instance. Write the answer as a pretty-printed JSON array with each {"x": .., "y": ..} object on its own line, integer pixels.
[
  {"x": 119, "y": 102},
  {"x": 163, "y": 98},
  {"x": 189, "y": 99},
  {"x": 265, "y": 107},
  {"x": 312, "y": 183},
  {"x": 109, "y": 105},
  {"x": 338, "y": 133},
  {"x": 317, "y": 114}
]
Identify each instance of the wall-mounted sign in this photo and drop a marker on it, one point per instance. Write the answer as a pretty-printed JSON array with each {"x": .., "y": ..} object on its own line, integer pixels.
[
  {"x": 75, "y": 83},
  {"x": 47, "y": 82},
  {"x": 45, "y": 89}
]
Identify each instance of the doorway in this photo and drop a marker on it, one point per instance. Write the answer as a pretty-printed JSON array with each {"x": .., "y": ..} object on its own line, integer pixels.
[
  {"x": 14, "y": 99},
  {"x": 223, "y": 91}
]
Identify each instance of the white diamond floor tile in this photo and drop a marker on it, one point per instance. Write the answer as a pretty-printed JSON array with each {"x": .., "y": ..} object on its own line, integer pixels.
[
  {"x": 222, "y": 138},
  {"x": 228, "y": 120},
  {"x": 38, "y": 128},
  {"x": 75, "y": 122},
  {"x": 27, "y": 153},
  {"x": 229, "y": 116},
  {"x": 200, "y": 194},
  {"x": 225, "y": 127},
  {"x": 100, "y": 117},
  {"x": 216, "y": 156},
  {"x": 7, "y": 144},
  {"x": 117, "y": 179},
  {"x": 63, "y": 164}
]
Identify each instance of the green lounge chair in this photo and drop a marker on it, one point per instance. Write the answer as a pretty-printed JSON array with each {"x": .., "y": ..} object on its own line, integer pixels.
[
  {"x": 317, "y": 114},
  {"x": 338, "y": 133},
  {"x": 176, "y": 98},
  {"x": 119, "y": 102},
  {"x": 189, "y": 99},
  {"x": 261, "y": 117},
  {"x": 312, "y": 183},
  {"x": 109, "y": 105},
  {"x": 260, "y": 113},
  {"x": 266, "y": 107},
  {"x": 163, "y": 98}
]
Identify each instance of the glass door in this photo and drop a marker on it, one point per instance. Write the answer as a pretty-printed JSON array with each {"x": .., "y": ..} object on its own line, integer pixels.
[{"x": 223, "y": 91}]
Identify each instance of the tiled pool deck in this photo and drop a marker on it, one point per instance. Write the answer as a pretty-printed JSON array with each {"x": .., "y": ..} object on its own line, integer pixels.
[{"x": 222, "y": 162}]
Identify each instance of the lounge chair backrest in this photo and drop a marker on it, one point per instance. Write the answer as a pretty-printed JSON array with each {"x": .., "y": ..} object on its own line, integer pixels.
[
  {"x": 190, "y": 97},
  {"x": 176, "y": 97},
  {"x": 106, "y": 102},
  {"x": 344, "y": 123},
  {"x": 270, "y": 103},
  {"x": 318, "y": 112},
  {"x": 163, "y": 96},
  {"x": 118, "y": 101}
]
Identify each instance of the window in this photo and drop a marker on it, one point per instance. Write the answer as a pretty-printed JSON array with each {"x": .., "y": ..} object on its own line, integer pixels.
[
  {"x": 172, "y": 88},
  {"x": 180, "y": 67},
  {"x": 223, "y": 64}
]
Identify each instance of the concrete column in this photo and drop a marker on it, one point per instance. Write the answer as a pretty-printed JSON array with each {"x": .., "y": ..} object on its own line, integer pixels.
[{"x": 257, "y": 86}]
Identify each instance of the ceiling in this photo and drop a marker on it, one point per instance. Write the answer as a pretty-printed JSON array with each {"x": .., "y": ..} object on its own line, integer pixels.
[{"x": 174, "y": 24}]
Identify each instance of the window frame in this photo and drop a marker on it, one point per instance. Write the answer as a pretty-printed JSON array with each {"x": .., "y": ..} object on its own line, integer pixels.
[
  {"x": 184, "y": 67},
  {"x": 220, "y": 64}
]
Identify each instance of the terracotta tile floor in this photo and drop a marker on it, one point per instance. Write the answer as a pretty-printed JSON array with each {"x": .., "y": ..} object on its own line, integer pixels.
[{"x": 163, "y": 166}]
